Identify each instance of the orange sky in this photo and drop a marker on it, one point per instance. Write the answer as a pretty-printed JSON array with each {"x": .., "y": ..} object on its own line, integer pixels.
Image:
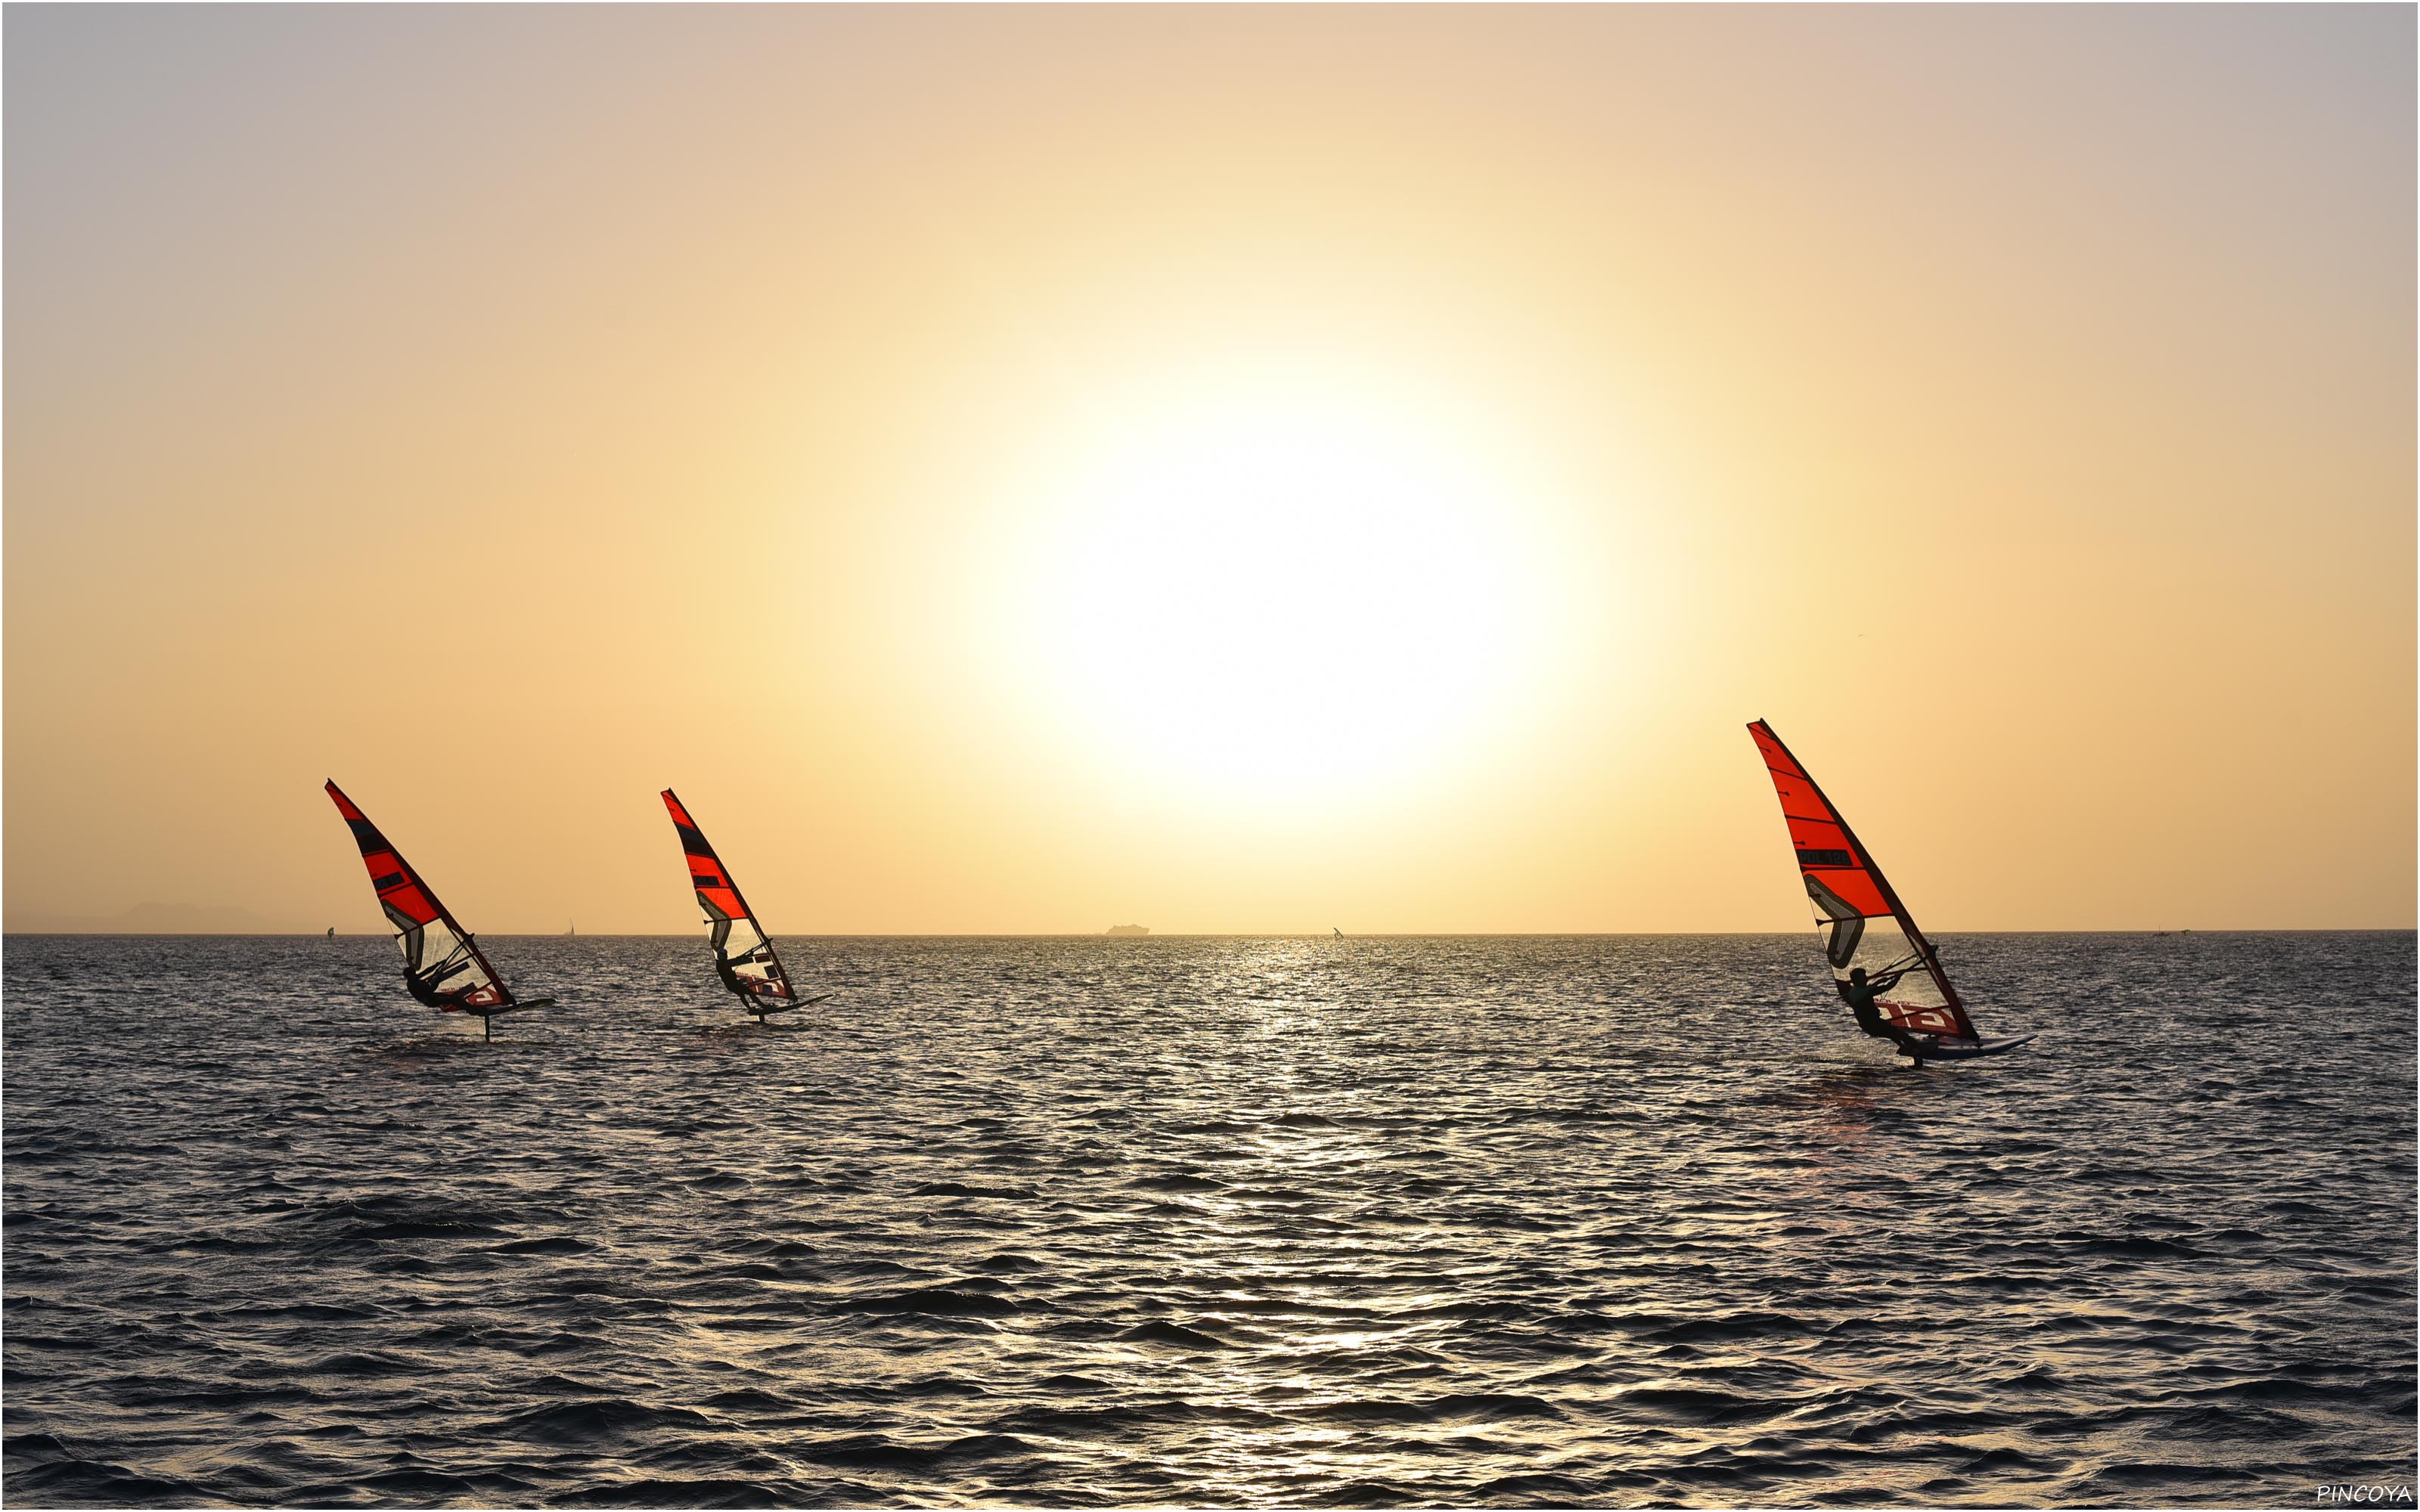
[{"x": 1223, "y": 468}]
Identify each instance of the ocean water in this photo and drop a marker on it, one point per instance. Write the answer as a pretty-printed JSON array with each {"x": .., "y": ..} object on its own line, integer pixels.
[{"x": 1512, "y": 1221}]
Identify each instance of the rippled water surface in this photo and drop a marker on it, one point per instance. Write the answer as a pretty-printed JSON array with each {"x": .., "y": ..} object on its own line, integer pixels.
[{"x": 1609, "y": 1220}]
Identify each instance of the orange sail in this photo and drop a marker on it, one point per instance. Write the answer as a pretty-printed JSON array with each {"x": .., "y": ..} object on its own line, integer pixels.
[
  {"x": 743, "y": 955},
  {"x": 442, "y": 963},
  {"x": 1864, "y": 922}
]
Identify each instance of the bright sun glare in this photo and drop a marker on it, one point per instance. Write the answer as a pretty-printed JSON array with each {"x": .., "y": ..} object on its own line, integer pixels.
[{"x": 1285, "y": 599}]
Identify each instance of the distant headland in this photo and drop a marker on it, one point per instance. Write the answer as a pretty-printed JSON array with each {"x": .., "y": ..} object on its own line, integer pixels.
[{"x": 1129, "y": 929}]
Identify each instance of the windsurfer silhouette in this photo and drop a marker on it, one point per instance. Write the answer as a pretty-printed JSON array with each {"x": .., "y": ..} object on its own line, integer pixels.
[
  {"x": 429, "y": 996},
  {"x": 1861, "y": 991},
  {"x": 730, "y": 978}
]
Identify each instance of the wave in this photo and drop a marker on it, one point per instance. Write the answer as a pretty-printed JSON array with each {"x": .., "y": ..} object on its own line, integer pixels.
[
  {"x": 1173, "y": 1336},
  {"x": 597, "y": 1421},
  {"x": 939, "y": 1301},
  {"x": 874, "y": 1451}
]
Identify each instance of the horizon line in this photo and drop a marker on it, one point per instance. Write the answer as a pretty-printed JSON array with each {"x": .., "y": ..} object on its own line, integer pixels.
[{"x": 1180, "y": 934}]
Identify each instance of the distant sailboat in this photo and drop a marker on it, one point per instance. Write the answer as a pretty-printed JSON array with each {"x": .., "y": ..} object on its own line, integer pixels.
[
  {"x": 1337, "y": 933},
  {"x": 569, "y": 928},
  {"x": 743, "y": 954},
  {"x": 442, "y": 964},
  {"x": 1867, "y": 926}
]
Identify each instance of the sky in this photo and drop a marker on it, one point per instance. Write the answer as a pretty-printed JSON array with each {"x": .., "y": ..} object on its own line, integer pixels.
[{"x": 1229, "y": 469}]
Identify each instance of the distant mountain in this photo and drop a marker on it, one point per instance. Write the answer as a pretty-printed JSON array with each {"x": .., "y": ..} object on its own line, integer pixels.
[
  {"x": 155, "y": 919},
  {"x": 1129, "y": 929}
]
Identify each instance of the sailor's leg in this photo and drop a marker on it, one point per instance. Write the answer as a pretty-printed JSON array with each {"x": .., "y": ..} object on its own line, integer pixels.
[{"x": 488, "y": 1028}]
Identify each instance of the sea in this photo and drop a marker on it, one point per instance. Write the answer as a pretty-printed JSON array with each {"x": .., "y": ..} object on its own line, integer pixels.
[{"x": 1596, "y": 1221}]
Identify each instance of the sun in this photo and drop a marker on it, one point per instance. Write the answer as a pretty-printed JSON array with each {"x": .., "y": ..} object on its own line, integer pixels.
[{"x": 1284, "y": 597}]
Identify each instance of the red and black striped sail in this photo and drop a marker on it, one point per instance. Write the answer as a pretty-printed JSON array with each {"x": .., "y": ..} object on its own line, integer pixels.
[
  {"x": 442, "y": 963},
  {"x": 1862, "y": 920},
  {"x": 743, "y": 955}
]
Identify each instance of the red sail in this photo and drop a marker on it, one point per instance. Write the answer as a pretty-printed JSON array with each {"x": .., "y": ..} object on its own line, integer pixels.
[
  {"x": 743, "y": 955},
  {"x": 442, "y": 963},
  {"x": 1863, "y": 921}
]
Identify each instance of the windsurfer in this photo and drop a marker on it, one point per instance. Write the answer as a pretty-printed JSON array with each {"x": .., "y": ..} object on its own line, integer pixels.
[
  {"x": 1861, "y": 991},
  {"x": 429, "y": 996},
  {"x": 730, "y": 978}
]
